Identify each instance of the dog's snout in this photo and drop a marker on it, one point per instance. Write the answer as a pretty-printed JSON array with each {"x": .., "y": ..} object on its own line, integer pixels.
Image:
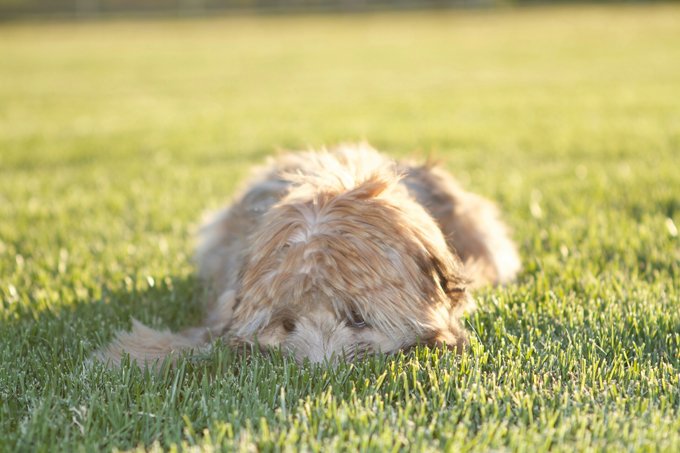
[{"x": 316, "y": 338}]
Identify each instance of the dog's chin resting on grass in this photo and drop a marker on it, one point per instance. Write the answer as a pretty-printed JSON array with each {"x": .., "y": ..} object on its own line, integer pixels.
[{"x": 333, "y": 255}]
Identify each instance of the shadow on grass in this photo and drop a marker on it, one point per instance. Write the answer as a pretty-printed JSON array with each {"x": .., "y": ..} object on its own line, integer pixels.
[
  {"x": 66, "y": 337},
  {"x": 46, "y": 380}
]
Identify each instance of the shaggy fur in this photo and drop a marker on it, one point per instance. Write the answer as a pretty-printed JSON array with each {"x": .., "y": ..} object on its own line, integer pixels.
[{"x": 338, "y": 254}]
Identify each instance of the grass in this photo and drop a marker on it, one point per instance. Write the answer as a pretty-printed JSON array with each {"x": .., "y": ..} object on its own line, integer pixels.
[{"x": 116, "y": 136}]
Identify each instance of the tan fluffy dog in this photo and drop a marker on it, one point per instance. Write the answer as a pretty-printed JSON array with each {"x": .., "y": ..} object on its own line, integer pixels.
[{"x": 337, "y": 254}]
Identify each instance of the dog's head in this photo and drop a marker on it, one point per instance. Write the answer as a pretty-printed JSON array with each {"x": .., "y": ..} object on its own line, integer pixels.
[{"x": 342, "y": 272}]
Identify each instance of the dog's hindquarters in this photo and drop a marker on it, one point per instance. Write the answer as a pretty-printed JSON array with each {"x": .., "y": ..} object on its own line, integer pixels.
[{"x": 470, "y": 223}]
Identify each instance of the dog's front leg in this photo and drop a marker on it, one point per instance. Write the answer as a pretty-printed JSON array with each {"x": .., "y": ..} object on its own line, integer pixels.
[{"x": 149, "y": 346}]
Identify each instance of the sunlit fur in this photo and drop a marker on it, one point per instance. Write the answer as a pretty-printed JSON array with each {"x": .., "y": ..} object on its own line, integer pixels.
[{"x": 336, "y": 254}]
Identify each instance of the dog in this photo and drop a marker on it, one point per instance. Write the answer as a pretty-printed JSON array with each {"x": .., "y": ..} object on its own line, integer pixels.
[{"x": 333, "y": 255}]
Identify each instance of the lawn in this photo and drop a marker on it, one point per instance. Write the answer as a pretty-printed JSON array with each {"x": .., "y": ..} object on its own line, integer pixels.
[{"x": 116, "y": 136}]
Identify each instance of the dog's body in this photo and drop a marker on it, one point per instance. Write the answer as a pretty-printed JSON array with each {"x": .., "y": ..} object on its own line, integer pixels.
[{"x": 338, "y": 254}]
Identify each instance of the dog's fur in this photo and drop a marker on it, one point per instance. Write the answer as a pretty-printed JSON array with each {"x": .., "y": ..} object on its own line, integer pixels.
[{"x": 337, "y": 254}]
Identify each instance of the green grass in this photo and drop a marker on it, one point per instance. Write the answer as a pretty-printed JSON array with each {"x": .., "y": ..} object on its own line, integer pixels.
[{"x": 116, "y": 136}]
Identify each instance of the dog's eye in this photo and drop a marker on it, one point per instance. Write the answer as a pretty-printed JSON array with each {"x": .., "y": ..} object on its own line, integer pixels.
[
  {"x": 288, "y": 325},
  {"x": 355, "y": 320}
]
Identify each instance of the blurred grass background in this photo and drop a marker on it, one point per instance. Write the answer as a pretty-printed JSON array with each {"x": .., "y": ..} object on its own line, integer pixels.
[
  {"x": 115, "y": 136},
  {"x": 89, "y": 9}
]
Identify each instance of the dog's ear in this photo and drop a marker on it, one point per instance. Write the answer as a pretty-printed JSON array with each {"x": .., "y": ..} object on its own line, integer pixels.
[
  {"x": 446, "y": 275},
  {"x": 439, "y": 263},
  {"x": 450, "y": 278},
  {"x": 372, "y": 187}
]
